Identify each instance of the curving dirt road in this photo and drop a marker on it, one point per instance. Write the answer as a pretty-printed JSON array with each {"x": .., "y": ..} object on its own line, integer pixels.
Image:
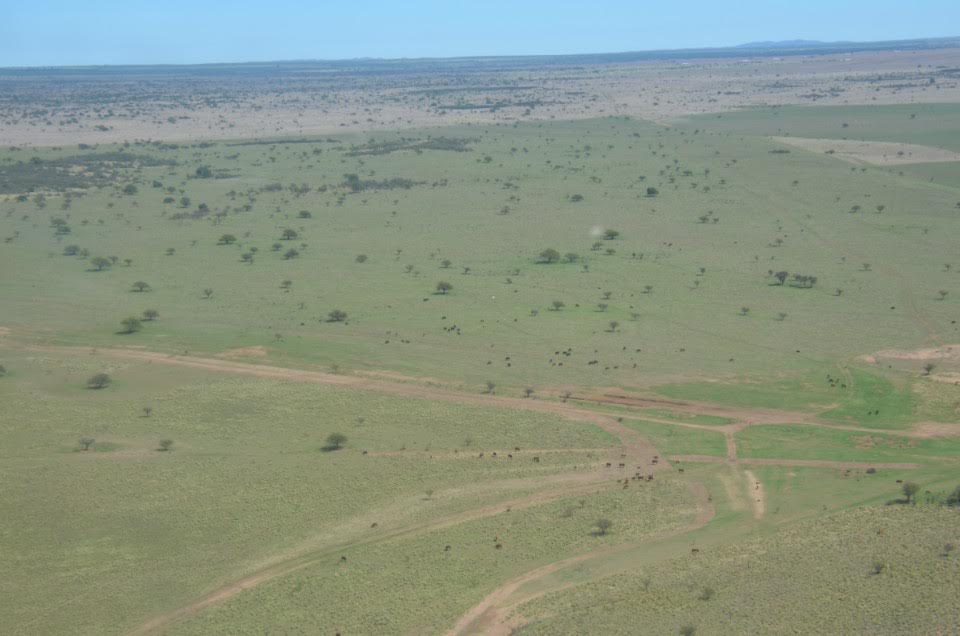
[{"x": 489, "y": 617}]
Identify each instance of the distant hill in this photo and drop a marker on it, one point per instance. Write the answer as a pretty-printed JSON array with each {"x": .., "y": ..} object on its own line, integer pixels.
[{"x": 787, "y": 44}]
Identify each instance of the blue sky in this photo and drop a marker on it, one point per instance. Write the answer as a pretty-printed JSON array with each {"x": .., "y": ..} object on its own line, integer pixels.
[{"x": 77, "y": 32}]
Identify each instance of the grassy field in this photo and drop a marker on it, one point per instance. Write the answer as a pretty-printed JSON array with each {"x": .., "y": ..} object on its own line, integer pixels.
[
  {"x": 676, "y": 440},
  {"x": 770, "y": 585},
  {"x": 246, "y": 480},
  {"x": 452, "y": 211},
  {"x": 382, "y": 588},
  {"x": 248, "y": 250},
  {"x": 807, "y": 442}
]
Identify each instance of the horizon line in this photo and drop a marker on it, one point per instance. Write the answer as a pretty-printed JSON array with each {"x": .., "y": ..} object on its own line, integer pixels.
[{"x": 793, "y": 46}]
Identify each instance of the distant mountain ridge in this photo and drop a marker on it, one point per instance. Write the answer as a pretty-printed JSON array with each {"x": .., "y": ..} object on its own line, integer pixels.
[
  {"x": 502, "y": 62},
  {"x": 784, "y": 44}
]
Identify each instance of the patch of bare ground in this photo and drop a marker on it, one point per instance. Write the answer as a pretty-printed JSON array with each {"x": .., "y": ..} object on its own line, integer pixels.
[
  {"x": 257, "y": 351},
  {"x": 941, "y": 353},
  {"x": 947, "y": 377},
  {"x": 756, "y": 494},
  {"x": 925, "y": 430},
  {"x": 877, "y": 153},
  {"x": 814, "y": 463},
  {"x": 744, "y": 416}
]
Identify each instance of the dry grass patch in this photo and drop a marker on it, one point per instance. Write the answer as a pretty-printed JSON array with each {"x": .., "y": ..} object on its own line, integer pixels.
[{"x": 877, "y": 153}]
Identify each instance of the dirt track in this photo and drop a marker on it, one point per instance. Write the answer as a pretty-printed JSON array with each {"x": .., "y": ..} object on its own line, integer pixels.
[
  {"x": 489, "y": 615},
  {"x": 635, "y": 449}
]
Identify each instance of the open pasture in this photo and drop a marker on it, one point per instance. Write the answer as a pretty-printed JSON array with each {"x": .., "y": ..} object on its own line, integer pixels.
[{"x": 585, "y": 370}]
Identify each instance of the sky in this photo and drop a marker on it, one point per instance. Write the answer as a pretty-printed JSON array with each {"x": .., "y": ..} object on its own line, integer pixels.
[{"x": 78, "y": 32}]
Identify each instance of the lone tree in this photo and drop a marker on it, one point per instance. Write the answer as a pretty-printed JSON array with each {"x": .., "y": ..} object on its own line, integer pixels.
[
  {"x": 611, "y": 234},
  {"x": 928, "y": 368},
  {"x": 336, "y": 316},
  {"x": 289, "y": 235},
  {"x": 558, "y": 305},
  {"x": 150, "y": 314},
  {"x": 3, "y": 371},
  {"x": 100, "y": 263},
  {"x": 228, "y": 239},
  {"x": 207, "y": 293},
  {"x": 98, "y": 381},
  {"x": 141, "y": 286},
  {"x": 131, "y": 325},
  {"x": 335, "y": 441},
  {"x": 910, "y": 489},
  {"x": 603, "y": 525},
  {"x": 491, "y": 387},
  {"x": 87, "y": 442},
  {"x": 165, "y": 445},
  {"x": 652, "y": 192},
  {"x": 549, "y": 255},
  {"x": 443, "y": 287}
]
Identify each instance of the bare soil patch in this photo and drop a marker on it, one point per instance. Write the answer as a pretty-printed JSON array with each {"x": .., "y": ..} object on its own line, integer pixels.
[
  {"x": 244, "y": 352},
  {"x": 936, "y": 429},
  {"x": 756, "y": 494},
  {"x": 941, "y": 353},
  {"x": 877, "y": 153}
]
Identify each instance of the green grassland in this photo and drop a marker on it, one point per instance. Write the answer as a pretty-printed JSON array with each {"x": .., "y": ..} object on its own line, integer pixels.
[
  {"x": 452, "y": 211},
  {"x": 804, "y": 579},
  {"x": 125, "y": 530},
  {"x": 808, "y": 442},
  {"x": 384, "y": 588},
  {"x": 677, "y": 304},
  {"x": 677, "y": 440},
  {"x": 924, "y": 124}
]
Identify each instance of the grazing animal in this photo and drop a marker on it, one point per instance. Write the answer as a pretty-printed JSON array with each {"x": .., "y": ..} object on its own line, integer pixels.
[
  {"x": 498, "y": 546},
  {"x": 343, "y": 559}
]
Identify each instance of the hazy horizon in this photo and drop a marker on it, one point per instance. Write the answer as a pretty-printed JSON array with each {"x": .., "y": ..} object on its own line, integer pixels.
[{"x": 59, "y": 33}]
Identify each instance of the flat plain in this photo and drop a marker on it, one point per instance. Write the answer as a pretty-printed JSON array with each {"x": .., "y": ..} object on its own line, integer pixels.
[{"x": 535, "y": 363}]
